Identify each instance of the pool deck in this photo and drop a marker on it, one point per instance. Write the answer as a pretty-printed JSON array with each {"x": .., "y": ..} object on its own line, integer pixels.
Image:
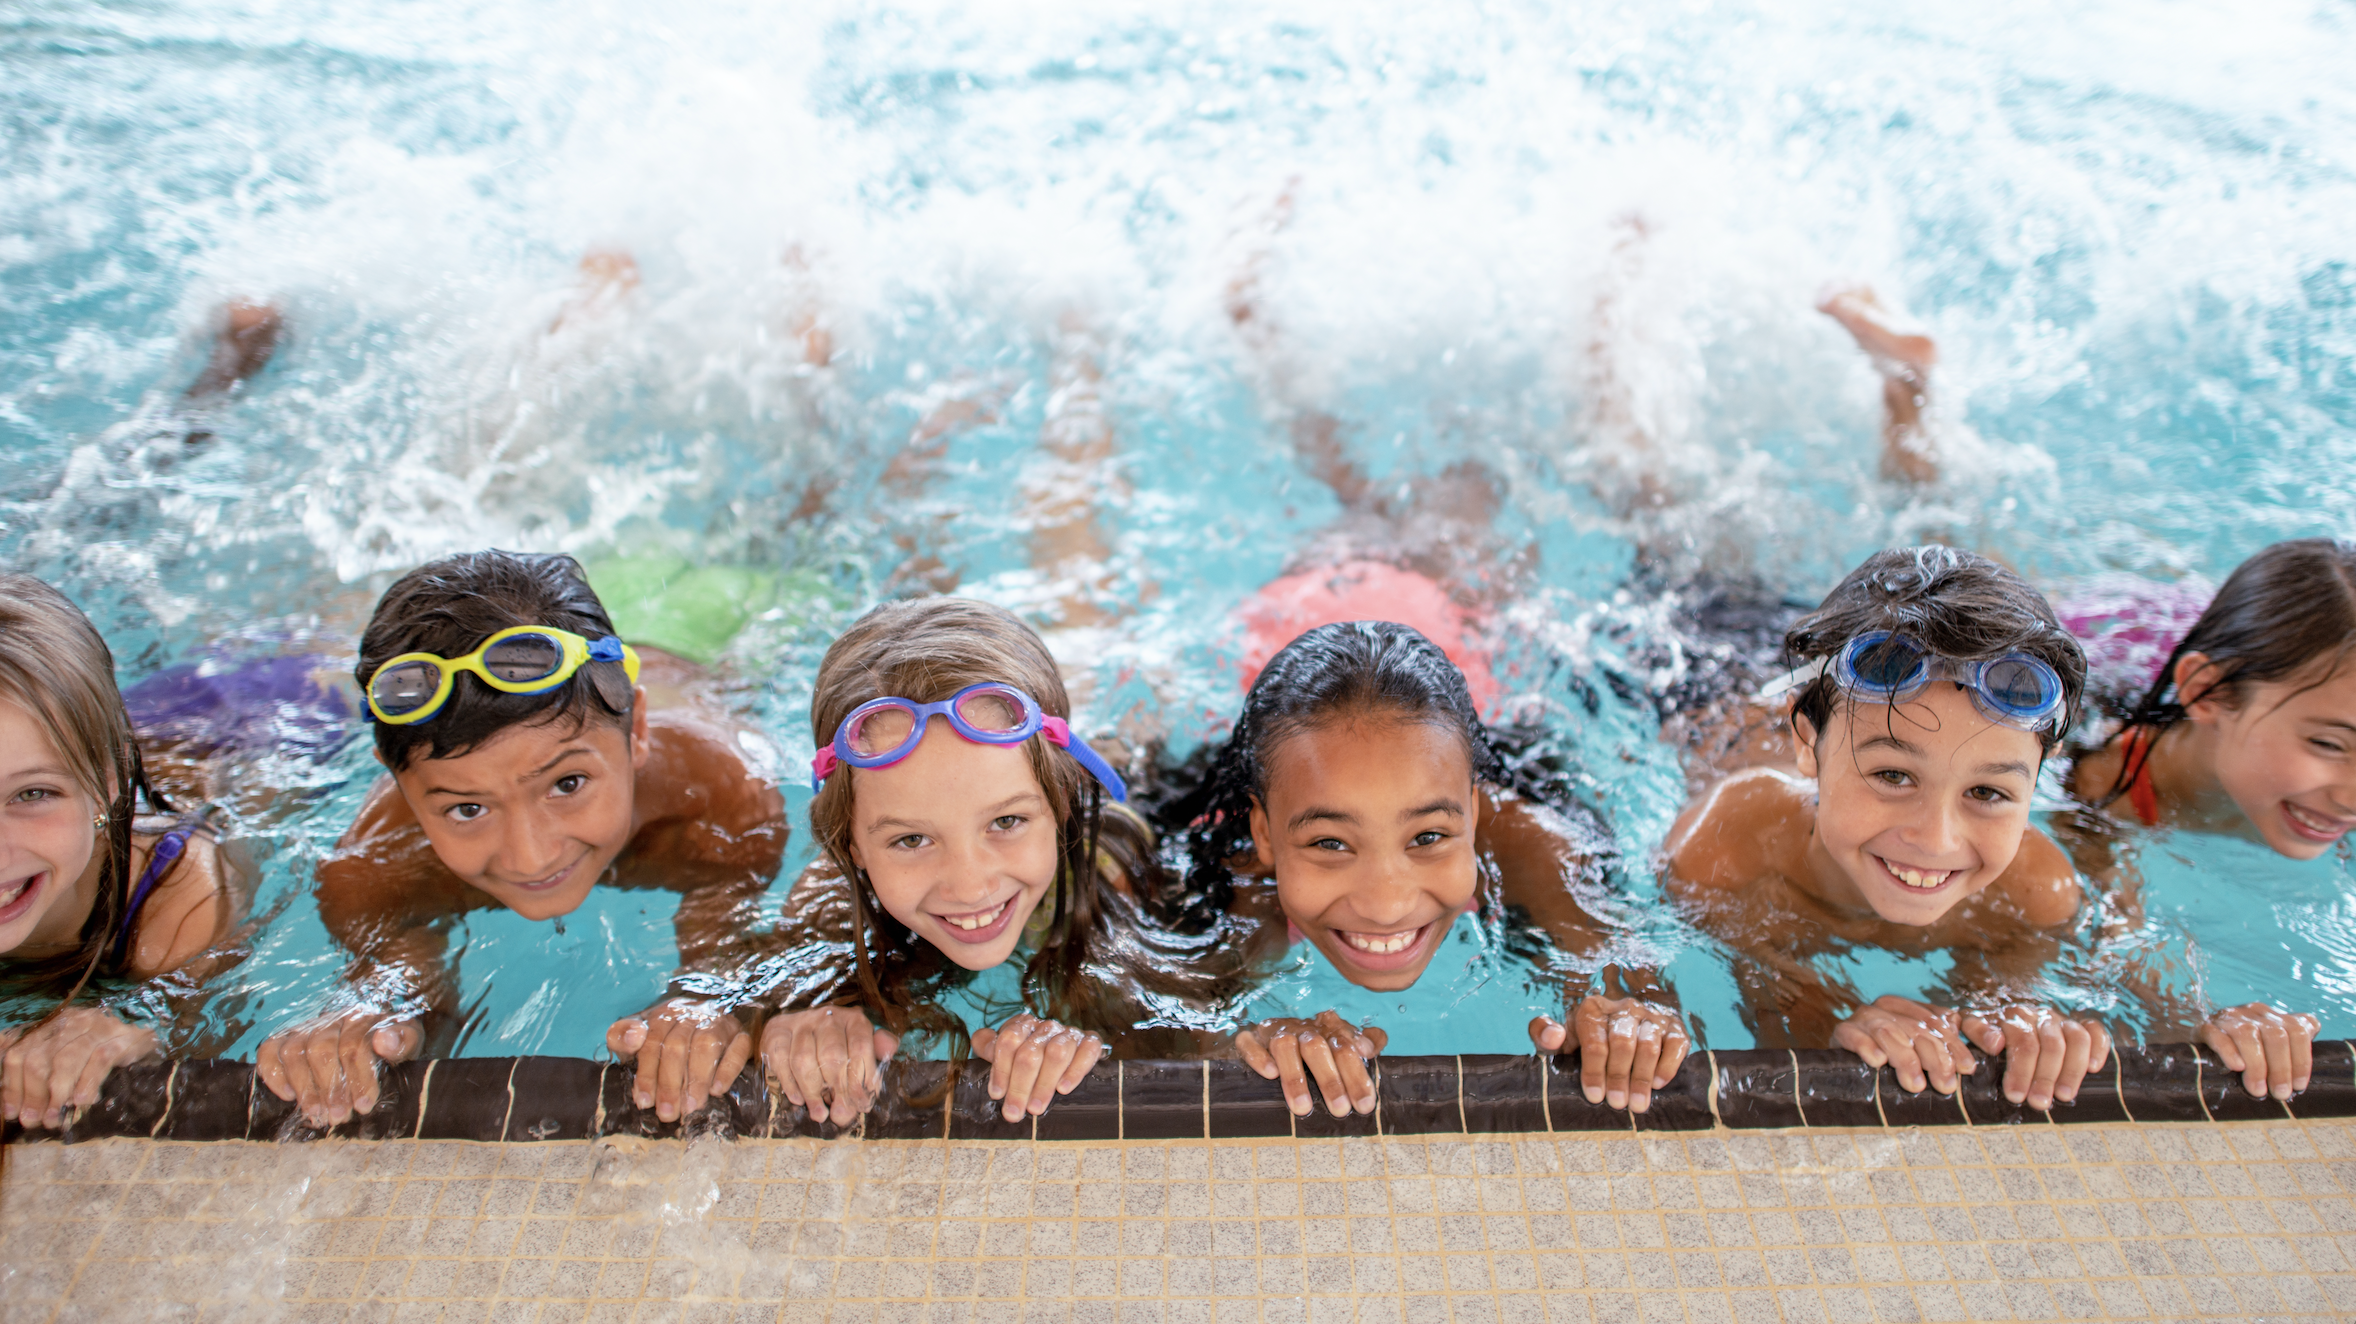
[{"x": 2102, "y": 1221}]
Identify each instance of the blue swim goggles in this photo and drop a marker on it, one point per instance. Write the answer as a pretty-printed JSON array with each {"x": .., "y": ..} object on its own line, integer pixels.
[
  {"x": 1880, "y": 666},
  {"x": 881, "y": 732}
]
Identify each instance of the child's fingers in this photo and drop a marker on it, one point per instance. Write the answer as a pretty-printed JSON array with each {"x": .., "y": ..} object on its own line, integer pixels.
[
  {"x": 2098, "y": 1052},
  {"x": 1254, "y": 1055},
  {"x": 2220, "y": 1040},
  {"x": 266, "y": 1065},
  {"x": 1858, "y": 1039},
  {"x": 1897, "y": 1047},
  {"x": 2277, "y": 1040},
  {"x": 2053, "y": 1047},
  {"x": 28, "y": 1082},
  {"x": 1936, "y": 1053},
  {"x": 1594, "y": 1049},
  {"x": 883, "y": 1043},
  {"x": 1988, "y": 1033},
  {"x": 2302, "y": 1029},
  {"x": 1084, "y": 1060},
  {"x": 1645, "y": 1067},
  {"x": 1056, "y": 1053},
  {"x": 1020, "y": 1064},
  {"x": 2077, "y": 1051},
  {"x": 624, "y": 1036},
  {"x": 1286, "y": 1050},
  {"x": 1543, "y": 1028},
  {"x": 706, "y": 1047},
  {"x": 1623, "y": 1058},
  {"x": 1357, "y": 1077},
  {"x": 1007, "y": 1052},
  {"x": 1317, "y": 1055},
  {"x": 985, "y": 1043},
  {"x": 397, "y": 1041},
  {"x": 1380, "y": 1038},
  {"x": 2027, "y": 1048}
]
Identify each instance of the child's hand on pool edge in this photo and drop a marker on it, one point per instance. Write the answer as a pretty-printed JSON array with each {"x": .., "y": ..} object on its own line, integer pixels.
[
  {"x": 2046, "y": 1055},
  {"x": 328, "y": 1067},
  {"x": 2273, "y": 1050},
  {"x": 1628, "y": 1047},
  {"x": 688, "y": 1050},
  {"x": 1924, "y": 1044},
  {"x": 1289, "y": 1051},
  {"x": 49, "y": 1069},
  {"x": 1033, "y": 1060},
  {"x": 826, "y": 1060}
]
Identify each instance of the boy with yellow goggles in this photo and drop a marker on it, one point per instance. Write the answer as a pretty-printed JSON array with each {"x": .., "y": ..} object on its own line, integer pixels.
[{"x": 523, "y": 659}]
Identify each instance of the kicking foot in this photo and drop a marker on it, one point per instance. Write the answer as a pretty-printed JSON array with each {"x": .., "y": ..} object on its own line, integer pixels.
[
  {"x": 608, "y": 275},
  {"x": 1885, "y": 334},
  {"x": 249, "y": 335}
]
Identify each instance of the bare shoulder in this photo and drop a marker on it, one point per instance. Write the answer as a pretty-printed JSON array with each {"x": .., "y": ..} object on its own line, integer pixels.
[
  {"x": 192, "y": 907},
  {"x": 384, "y": 871},
  {"x": 1747, "y": 826},
  {"x": 2041, "y": 883}
]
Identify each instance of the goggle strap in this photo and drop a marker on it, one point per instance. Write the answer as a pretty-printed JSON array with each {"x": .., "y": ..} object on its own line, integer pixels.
[
  {"x": 1792, "y": 680},
  {"x": 821, "y": 768},
  {"x": 1060, "y": 731}
]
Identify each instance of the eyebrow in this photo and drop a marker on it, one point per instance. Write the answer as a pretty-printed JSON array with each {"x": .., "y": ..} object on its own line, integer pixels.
[
  {"x": 1010, "y": 802},
  {"x": 1316, "y": 814},
  {"x": 1888, "y": 742},
  {"x": 2014, "y": 766},
  {"x": 524, "y": 777}
]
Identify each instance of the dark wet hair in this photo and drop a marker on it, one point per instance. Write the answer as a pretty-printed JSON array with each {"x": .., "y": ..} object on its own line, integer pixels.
[
  {"x": 2280, "y": 613},
  {"x": 1958, "y": 604},
  {"x": 1332, "y": 673},
  {"x": 448, "y": 608}
]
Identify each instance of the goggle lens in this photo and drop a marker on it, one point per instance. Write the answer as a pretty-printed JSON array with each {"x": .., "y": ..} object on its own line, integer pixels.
[
  {"x": 992, "y": 712},
  {"x": 880, "y": 731},
  {"x": 1888, "y": 665},
  {"x": 405, "y": 688},
  {"x": 524, "y": 658},
  {"x": 2017, "y": 686}
]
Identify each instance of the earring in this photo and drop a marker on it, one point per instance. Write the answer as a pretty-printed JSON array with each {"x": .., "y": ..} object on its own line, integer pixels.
[{"x": 98, "y": 822}]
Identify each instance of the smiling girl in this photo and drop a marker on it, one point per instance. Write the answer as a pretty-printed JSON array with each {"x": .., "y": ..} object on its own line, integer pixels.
[
  {"x": 1930, "y": 686},
  {"x": 2250, "y": 727},
  {"x": 87, "y": 891},
  {"x": 966, "y": 826},
  {"x": 1361, "y": 788}
]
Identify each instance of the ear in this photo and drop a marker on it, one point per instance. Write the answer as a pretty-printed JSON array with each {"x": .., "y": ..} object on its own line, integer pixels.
[
  {"x": 858, "y": 856},
  {"x": 638, "y": 746},
  {"x": 378, "y": 755},
  {"x": 2197, "y": 688},
  {"x": 1260, "y": 843},
  {"x": 1804, "y": 743}
]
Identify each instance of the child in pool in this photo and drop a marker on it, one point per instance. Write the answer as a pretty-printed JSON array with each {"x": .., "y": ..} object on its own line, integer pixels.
[
  {"x": 2250, "y": 726},
  {"x": 1360, "y": 787},
  {"x": 579, "y": 769},
  {"x": 88, "y": 889},
  {"x": 962, "y": 822},
  {"x": 1933, "y": 684}
]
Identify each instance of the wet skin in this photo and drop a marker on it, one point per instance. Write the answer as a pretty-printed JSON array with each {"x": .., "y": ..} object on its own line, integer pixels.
[
  {"x": 51, "y": 866},
  {"x": 532, "y": 820},
  {"x": 1373, "y": 829},
  {"x": 959, "y": 842},
  {"x": 2274, "y": 762}
]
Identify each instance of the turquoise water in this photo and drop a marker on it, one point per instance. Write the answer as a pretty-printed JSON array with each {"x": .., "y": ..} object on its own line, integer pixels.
[{"x": 2126, "y": 225}]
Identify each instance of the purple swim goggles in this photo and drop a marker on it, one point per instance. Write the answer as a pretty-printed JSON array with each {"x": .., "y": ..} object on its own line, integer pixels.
[{"x": 881, "y": 732}]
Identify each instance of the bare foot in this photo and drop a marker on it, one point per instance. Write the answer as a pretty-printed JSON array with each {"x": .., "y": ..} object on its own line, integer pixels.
[
  {"x": 1904, "y": 357},
  {"x": 805, "y": 322},
  {"x": 249, "y": 335}
]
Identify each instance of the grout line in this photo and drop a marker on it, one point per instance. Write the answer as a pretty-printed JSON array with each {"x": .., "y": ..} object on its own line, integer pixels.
[
  {"x": 1715, "y": 1117},
  {"x": 425, "y": 1092},
  {"x": 1966, "y": 1112},
  {"x": 1121, "y": 1100},
  {"x": 1207, "y": 1099},
  {"x": 250, "y": 1082},
  {"x": 1461, "y": 1127},
  {"x": 170, "y": 1081},
  {"x": 2200, "y": 1092},
  {"x": 2119, "y": 1083},
  {"x": 1546, "y": 1093},
  {"x": 1802, "y": 1108},
  {"x": 1378, "y": 1092},
  {"x": 769, "y": 1124},
  {"x": 507, "y": 1118},
  {"x": 597, "y": 1123},
  {"x": 1878, "y": 1109}
]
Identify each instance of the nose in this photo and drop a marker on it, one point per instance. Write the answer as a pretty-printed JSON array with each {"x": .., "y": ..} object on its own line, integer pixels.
[
  {"x": 529, "y": 849},
  {"x": 968, "y": 875},
  {"x": 1938, "y": 833},
  {"x": 1387, "y": 897}
]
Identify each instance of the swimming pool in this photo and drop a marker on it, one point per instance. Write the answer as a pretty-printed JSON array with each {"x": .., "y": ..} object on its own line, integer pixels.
[{"x": 2128, "y": 236}]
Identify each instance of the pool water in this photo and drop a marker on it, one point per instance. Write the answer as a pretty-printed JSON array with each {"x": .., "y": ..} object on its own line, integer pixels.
[{"x": 2127, "y": 230}]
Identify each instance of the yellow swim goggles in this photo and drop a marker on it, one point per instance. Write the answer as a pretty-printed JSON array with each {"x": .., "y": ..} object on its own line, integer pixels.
[{"x": 522, "y": 659}]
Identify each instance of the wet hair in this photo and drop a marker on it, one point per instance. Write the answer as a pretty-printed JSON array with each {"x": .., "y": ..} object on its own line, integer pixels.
[
  {"x": 54, "y": 665},
  {"x": 448, "y": 608},
  {"x": 927, "y": 650},
  {"x": 1334, "y": 673},
  {"x": 2286, "y": 611},
  {"x": 1959, "y": 605}
]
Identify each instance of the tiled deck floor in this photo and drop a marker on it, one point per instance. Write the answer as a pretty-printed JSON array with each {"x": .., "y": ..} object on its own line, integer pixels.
[{"x": 2253, "y": 1220}]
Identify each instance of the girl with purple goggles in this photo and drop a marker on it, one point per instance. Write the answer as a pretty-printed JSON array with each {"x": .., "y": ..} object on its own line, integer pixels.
[{"x": 881, "y": 732}]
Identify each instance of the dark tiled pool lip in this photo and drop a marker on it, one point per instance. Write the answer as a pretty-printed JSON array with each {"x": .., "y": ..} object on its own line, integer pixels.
[{"x": 566, "y": 1098}]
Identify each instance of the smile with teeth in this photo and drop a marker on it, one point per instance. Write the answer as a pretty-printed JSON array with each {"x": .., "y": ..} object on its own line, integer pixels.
[
  {"x": 980, "y": 919},
  {"x": 1921, "y": 880},
  {"x": 2314, "y": 822},
  {"x": 1381, "y": 944},
  {"x": 9, "y": 892}
]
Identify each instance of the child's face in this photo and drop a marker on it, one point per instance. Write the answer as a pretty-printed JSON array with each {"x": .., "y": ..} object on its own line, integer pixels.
[
  {"x": 47, "y": 841},
  {"x": 2286, "y": 753},
  {"x": 1368, "y": 828},
  {"x": 534, "y": 815},
  {"x": 958, "y": 841},
  {"x": 1918, "y": 805}
]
